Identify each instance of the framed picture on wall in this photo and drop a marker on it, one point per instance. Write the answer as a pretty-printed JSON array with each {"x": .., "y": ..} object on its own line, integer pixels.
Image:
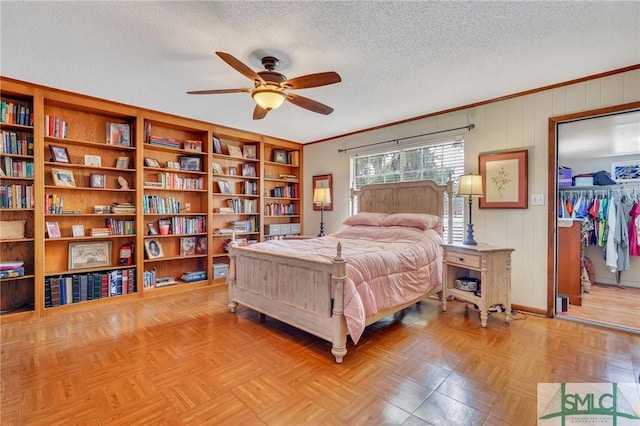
[
  {"x": 504, "y": 180},
  {"x": 324, "y": 181}
]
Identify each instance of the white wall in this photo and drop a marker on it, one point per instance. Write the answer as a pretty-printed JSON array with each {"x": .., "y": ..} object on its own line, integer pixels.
[{"x": 511, "y": 124}]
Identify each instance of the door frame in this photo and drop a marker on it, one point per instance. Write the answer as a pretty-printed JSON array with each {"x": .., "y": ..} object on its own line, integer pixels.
[{"x": 552, "y": 190}]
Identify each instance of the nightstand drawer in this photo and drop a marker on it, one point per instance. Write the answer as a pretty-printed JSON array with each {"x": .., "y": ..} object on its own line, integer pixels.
[{"x": 463, "y": 259}]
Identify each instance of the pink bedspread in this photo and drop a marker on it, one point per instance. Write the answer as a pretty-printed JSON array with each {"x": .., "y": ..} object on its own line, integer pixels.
[{"x": 386, "y": 266}]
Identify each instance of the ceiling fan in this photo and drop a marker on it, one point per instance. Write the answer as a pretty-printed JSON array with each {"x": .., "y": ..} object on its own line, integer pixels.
[{"x": 271, "y": 88}]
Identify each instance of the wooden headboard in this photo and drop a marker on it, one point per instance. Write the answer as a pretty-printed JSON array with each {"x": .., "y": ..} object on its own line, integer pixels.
[{"x": 424, "y": 196}]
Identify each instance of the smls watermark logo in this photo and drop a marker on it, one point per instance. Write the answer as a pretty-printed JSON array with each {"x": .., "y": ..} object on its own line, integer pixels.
[{"x": 615, "y": 404}]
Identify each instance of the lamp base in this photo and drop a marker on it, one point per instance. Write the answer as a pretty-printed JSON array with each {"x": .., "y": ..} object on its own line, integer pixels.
[{"x": 469, "y": 241}]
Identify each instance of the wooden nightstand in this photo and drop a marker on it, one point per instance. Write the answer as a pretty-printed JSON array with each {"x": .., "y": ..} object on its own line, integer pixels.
[{"x": 490, "y": 264}]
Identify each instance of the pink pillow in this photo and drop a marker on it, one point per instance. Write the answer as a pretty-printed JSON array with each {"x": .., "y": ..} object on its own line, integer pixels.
[
  {"x": 365, "y": 219},
  {"x": 413, "y": 220}
]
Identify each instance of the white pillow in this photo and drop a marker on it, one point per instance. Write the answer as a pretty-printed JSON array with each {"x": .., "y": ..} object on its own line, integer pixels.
[
  {"x": 365, "y": 219},
  {"x": 413, "y": 220}
]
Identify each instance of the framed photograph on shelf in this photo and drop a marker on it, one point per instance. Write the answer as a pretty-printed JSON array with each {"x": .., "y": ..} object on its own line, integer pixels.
[
  {"x": 118, "y": 134},
  {"x": 77, "y": 230},
  {"x": 280, "y": 156},
  {"x": 122, "y": 163},
  {"x": 152, "y": 228},
  {"x": 224, "y": 186},
  {"x": 153, "y": 249},
  {"x": 187, "y": 246},
  {"x": 233, "y": 170},
  {"x": 201, "y": 245},
  {"x": 92, "y": 160},
  {"x": 192, "y": 146},
  {"x": 324, "y": 182},
  {"x": 59, "y": 154},
  {"x": 217, "y": 145},
  {"x": 190, "y": 163},
  {"x": 217, "y": 168},
  {"x": 151, "y": 162},
  {"x": 250, "y": 151},
  {"x": 504, "y": 180},
  {"x": 626, "y": 171},
  {"x": 89, "y": 255},
  {"x": 234, "y": 151},
  {"x": 249, "y": 170},
  {"x": 62, "y": 177},
  {"x": 97, "y": 180},
  {"x": 53, "y": 230}
]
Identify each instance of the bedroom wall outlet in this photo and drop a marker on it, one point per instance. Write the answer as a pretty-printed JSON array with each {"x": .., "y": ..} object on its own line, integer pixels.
[{"x": 537, "y": 199}]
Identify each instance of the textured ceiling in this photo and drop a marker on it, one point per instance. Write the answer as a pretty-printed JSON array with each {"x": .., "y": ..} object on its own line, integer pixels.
[{"x": 397, "y": 59}]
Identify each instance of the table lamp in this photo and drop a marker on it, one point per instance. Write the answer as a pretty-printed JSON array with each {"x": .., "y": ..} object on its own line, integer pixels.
[
  {"x": 321, "y": 196},
  {"x": 470, "y": 185}
]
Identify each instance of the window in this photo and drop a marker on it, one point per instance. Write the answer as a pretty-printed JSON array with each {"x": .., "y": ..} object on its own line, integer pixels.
[{"x": 436, "y": 161}]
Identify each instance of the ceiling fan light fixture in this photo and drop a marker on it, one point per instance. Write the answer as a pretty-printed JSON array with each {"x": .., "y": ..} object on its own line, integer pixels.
[{"x": 269, "y": 98}]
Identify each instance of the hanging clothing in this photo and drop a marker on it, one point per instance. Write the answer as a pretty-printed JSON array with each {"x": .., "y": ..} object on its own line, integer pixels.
[
  {"x": 611, "y": 252},
  {"x": 634, "y": 230},
  {"x": 620, "y": 236}
]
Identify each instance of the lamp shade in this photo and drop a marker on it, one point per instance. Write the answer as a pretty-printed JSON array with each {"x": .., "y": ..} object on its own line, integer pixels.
[
  {"x": 268, "y": 98},
  {"x": 321, "y": 196},
  {"x": 470, "y": 185}
]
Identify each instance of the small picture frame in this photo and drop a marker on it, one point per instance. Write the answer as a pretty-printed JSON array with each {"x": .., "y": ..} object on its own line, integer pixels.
[
  {"x": 77, "y": 230},
  {"x": 152, "y": 228},
  {"x": 217, "y": 145},
  {"x": 217, "y": 168},
  {"x": 153, "y": 248},
  {"x": 249, "y": 170},
  {"x": 250, "y": 151},
  {"x": 280, "y": 156},
  {"x": 97, "y": 180},
  {"x": 192, "y": 146},
  {"x": 63, "y": 177},
  {"x": 151, "y": 162},
  {"x": 190, "y": 163},
  {"x": 224, "y": 186},
  {"x": 626, "y": 171},
  {"x": 59, "y": 154},
  {"x": 201, "y": 245},
  {"x": 92, "y": 160},
  {"x": 234, "y": 151},
  {"x": 118, "y": 134},
  {"x": 233, "y": 170},
  {"x": 122, "y": 163},
  {"x": 187, "y": 246},
  {"x": 53, "y": 230}
]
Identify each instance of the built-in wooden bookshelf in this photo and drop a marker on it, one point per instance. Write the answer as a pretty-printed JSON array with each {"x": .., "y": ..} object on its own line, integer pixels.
[
  {"x": 102, "y": 170},
  {"x": 17, "y": 200}
]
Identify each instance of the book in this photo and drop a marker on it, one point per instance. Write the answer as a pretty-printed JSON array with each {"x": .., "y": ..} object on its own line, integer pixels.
[
  {"x": 11, "y": 273},
  {"x": 187, "y": 246},
  {"x": 118, "y": 134},
  {"x": 194, "y": 276}
]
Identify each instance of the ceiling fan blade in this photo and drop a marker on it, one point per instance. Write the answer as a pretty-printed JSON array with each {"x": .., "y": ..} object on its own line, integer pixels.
[
  {"x": 312, "y": 80},
  {"x": 309, "y": 104},
  {"x": 240, "y": 67},
  {"x": 218, "y": 91},
  {"x": 259, "y": 112}
]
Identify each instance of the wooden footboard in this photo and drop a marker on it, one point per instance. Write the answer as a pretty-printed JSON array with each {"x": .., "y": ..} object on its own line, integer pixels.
[{"x": 292, "y": 289}]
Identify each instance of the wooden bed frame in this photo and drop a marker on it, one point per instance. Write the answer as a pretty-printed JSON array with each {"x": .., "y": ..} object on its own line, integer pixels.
[{"x": 297, "y": 291}]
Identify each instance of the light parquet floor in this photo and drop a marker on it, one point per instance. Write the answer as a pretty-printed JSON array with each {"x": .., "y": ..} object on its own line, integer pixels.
[
  {"x": 610, "y": 304},
  {"x": 184, "y": 359}
]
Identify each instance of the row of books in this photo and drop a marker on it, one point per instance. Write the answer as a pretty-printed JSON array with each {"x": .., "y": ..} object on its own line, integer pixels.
[
  {"x": 279, "y": 209},
  {"x": 188, "y": 225},
  {"x": 248, "y": 225},
  {"x": 17, "y": 168},
  {"x": 16, "y": 143},
  {"x": 76, "y": 288},
  {"x": 153, "y": 204},
  {"x": 53, "y": 204},
  {"x": 16, "y": 112},
  {"x": 56, "y": 127},
  {"x": 285, "y": 191},
  {"x": 174, "y": 181},
  {"x": 162, "y": 141},
  {"x": 250, "y": 188},
  {"x": 16, "y": 196},
  {"x": 121, "y": 226},
  {"x": 242, "y": 205}
]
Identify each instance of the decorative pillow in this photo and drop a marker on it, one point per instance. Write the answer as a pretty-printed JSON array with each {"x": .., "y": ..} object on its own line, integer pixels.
[
  {"x": 413, "y": 220},
  {"x": 12, "y": 229},
  {"x": 365, "y": 219}
]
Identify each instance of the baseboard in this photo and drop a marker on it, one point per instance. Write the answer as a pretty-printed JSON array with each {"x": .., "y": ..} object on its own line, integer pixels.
[{"x": 530, "y": 310}]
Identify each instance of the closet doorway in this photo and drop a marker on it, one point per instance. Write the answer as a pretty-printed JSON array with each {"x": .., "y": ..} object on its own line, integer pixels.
[{"x": 582, "y": 144}]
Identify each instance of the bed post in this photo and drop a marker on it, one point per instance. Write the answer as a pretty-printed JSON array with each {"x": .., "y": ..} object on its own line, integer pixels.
[
  {"x": 339, "y": 325},
  {"x": 231, "y": 275},
  {"x": 449, "y": 210}
]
